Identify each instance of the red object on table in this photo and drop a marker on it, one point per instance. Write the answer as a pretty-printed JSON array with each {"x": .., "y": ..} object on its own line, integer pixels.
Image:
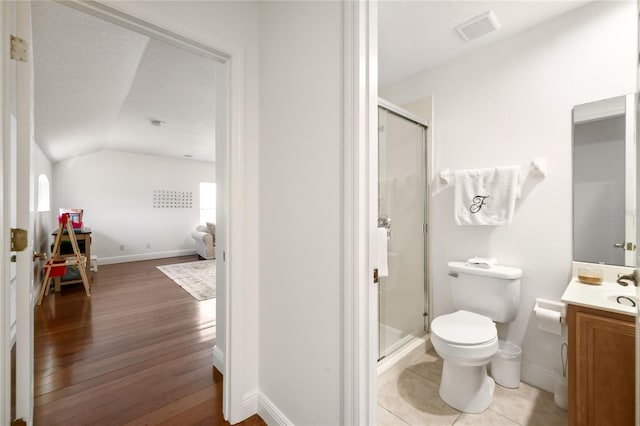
[{"x": 64, "y": 218}]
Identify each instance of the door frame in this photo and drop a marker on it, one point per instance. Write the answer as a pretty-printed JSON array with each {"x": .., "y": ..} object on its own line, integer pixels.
[
  {"x": 232, "y": 56},
  {"x": 5, "y": 361},
  {"x": 630, "y": 222},
  {"x": 359, "y": 210}
]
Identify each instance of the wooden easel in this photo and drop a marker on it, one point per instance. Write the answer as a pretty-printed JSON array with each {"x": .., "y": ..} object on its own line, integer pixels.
[{"x": 55, "y": 267}]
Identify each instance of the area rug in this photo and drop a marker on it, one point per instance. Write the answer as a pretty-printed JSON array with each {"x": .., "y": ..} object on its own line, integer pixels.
[{"x": 197, "y": 278}]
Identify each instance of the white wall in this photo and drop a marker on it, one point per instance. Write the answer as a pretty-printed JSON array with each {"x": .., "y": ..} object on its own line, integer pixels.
[
  {"x": 115, "y": 189},
  {"x": 507, "y": 104},
  {"x": 301, "y": 48}
]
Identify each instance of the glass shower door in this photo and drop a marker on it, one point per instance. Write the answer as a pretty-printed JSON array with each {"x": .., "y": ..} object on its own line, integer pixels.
[{"x": 402, "y": 210}]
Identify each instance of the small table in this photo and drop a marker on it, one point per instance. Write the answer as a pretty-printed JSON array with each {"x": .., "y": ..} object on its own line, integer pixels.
[{"x": 83, "y": 236}]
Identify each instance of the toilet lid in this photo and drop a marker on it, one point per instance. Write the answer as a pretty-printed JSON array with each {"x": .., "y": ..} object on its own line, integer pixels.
[{"x": 464, "y": 328}]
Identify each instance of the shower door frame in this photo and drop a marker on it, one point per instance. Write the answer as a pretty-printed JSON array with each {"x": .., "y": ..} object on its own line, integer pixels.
[{"x": 424, "y": 124}]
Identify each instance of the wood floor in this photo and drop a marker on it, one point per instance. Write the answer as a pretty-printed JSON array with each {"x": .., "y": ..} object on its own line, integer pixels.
[{"x": 137, "y": 352}]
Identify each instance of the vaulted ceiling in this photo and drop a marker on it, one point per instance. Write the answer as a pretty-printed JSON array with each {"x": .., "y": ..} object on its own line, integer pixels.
[{"x": 98, "y": 86}]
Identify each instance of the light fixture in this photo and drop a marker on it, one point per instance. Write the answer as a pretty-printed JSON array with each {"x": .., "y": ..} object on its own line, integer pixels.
[
  {"x": 478, "y": 26},
  {"x": 157, "y": 123}
]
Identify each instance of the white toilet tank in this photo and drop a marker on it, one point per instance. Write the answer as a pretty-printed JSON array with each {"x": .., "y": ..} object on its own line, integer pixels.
[{"x": 493, "y": 292}]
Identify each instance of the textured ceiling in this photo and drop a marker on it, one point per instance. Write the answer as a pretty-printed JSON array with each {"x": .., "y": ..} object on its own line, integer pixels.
[
  {"x": 98, "y": 86},
  {"x": 417, "y": 35}
]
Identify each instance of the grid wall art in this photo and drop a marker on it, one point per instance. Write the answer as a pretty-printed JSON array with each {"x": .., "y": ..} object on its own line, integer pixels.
[{"x": 165, "y": 199}]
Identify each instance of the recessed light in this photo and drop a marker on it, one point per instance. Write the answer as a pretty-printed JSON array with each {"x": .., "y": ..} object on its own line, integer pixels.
[{"x": 157, "y": 123}]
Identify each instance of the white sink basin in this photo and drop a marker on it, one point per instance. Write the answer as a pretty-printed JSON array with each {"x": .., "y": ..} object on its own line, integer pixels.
[{"x": 608, "y": 296}]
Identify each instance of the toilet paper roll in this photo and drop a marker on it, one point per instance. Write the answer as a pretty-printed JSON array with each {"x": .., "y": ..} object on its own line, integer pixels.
[{"x": 548, "y": 320}]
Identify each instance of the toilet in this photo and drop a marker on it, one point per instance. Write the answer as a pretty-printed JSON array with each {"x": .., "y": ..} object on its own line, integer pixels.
[{"x": 467, "y": 339}]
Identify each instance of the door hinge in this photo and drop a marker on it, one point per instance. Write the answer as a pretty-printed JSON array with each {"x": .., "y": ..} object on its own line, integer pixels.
[
  {"x": 376, "y": 278},
  {"x": 18, "y": 239},
  {"x": 19, "y": 49}
]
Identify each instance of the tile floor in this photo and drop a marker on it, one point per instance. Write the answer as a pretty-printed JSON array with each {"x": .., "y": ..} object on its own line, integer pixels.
[{"x": 411, "y": 398}]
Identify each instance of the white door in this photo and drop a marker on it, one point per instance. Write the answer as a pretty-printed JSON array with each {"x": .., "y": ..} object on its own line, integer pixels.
[{"x": 17, "y": 178}]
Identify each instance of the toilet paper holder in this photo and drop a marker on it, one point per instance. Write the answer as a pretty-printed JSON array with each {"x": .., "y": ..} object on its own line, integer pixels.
[{"x": 552, "y": 306}]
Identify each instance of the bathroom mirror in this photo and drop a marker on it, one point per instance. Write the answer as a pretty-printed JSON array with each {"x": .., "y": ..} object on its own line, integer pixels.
[{"x": 605, "y": 181}]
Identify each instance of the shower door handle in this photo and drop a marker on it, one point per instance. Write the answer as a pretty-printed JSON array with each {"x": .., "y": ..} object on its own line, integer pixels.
[{"x": 385, "y": 222}]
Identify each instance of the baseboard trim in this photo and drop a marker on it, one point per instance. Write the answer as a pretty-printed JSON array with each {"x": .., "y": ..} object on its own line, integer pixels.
[
  {"x": 249, "y": 404},
  {"x": 538, "y": 377},
  {"x": 270, "y": 413},
  {"x": 144, "y": 256},
  {"x": 218, "y": 359}
]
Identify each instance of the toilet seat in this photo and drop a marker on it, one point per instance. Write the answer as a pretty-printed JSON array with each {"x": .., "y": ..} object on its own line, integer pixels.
[{"x": 463, "y": 328}]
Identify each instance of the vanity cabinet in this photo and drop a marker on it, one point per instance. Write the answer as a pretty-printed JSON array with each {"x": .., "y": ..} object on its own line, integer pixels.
[{"x": 601, "y": 367}]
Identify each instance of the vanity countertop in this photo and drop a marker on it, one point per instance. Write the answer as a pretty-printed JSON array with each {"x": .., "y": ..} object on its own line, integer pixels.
[{"x": 602, "y": 296}]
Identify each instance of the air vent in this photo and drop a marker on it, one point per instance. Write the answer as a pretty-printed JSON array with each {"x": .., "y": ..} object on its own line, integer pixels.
[{"x": 478, "y": 26}]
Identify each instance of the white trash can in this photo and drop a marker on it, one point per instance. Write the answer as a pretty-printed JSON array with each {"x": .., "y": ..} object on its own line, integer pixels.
[
  {"x": 505, "y": 365},
  {"x": 561, "y": 392}
]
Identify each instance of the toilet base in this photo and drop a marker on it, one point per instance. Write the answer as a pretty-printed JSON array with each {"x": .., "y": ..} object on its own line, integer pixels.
[{"x": 466, "y": 388}]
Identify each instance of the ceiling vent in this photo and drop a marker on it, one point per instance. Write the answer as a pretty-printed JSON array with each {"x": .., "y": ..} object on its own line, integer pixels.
[{"x": 478, "y": 26}]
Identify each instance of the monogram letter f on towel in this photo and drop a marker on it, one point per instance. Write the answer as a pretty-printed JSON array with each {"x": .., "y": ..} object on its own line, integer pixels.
[{"x": 486, "y": 196}]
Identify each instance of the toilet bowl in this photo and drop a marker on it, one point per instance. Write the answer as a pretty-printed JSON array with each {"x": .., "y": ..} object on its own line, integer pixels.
[
  {"x": 467, "y": 339},
  {"x": 466, "y": 342}
]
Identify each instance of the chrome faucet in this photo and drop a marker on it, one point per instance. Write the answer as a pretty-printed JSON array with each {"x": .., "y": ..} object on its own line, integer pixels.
[{"x": 628, "y": 278}]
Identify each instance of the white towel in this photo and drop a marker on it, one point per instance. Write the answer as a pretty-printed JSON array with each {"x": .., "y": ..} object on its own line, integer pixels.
[
  {"x": 380, "y": 258},
  {"x": 486, "y": 196},
  {"x": 482, "y": 262}
]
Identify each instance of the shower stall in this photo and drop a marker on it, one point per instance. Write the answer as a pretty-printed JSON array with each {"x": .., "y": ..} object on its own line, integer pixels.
[{"x": 402, "y": 210}]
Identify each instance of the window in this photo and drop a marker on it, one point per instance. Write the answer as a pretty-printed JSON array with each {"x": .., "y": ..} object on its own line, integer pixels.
[
  {"x": 207, "y": 202},
  {"x": 43, "y": 193}
]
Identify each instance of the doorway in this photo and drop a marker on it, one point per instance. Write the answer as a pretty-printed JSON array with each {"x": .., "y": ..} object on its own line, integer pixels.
[{"x": 229, "y": 147}]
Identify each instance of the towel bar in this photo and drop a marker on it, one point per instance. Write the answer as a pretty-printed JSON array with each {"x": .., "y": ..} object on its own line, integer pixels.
[{"x": 538, "y": 168}]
